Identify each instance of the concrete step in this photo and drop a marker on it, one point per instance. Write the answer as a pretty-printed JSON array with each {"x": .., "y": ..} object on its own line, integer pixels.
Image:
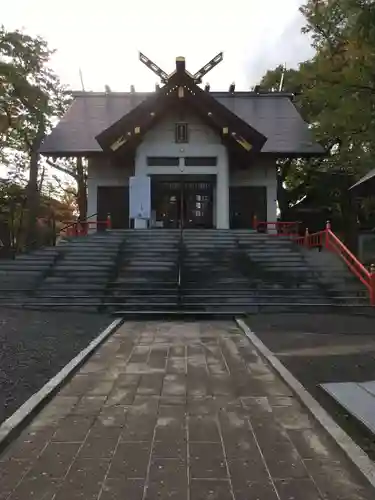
[
  {"x": 149, "y": 257},
  {"x": 154, "y": 287},
  {"x": 142, "y": 268},
  {"x": 22, "y": 271},
  {"x": 219, "y": 269},
  {"x": 89, "y": 268},
  {"x": 70, "y": 286},
  {"x": 72, "y": 270},
  {"x": 26, "y": 262}
]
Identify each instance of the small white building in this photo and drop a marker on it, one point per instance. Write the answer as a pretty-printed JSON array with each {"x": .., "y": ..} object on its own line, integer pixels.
[{"x": 210, "y": 156}]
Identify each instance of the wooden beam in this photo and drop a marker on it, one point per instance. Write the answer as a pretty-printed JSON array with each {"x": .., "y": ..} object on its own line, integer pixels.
[
  {"x": 207, "y": 67},
  {"x": 243, "y": 142},
  {"x": 153, "y": 67},
  {"x": 118, "y": 143}
]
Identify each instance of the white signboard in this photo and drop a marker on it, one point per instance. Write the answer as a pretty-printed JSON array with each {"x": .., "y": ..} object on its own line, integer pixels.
[{"x": 140, "y": 197}]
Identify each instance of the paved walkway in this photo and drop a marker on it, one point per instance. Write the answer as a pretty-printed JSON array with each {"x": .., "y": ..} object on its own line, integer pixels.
[
  {"x": 332, "y": 348},
  {"x": 185, "y": 411}
]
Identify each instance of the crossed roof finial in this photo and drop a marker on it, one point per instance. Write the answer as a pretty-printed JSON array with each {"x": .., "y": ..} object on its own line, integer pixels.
[{"x": 180, "y": 64}]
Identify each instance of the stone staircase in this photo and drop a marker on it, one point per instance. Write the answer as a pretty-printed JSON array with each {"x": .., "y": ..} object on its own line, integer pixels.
[
  {"x": 22, "y": 275},
  {"x": 278, "y": 271},
  {"x": 335, "y": 277},
  {"x": 147, "y": 272},
  {"x": 210, "y": 275},
  {"x": 137, "y": 271},
  {"x": 81, "y": 272},
  {"x": 239, "y": 270},
  {"x": 72, "y": 275},
  {"x": 284, "y": 274}
]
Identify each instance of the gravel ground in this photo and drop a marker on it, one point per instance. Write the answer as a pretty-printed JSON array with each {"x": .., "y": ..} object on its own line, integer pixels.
[
  {"x": 35, "y": 345},
  {"x": 319, "y": 348}
]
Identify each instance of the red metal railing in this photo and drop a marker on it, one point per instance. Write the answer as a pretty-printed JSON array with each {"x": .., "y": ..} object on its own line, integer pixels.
[
  {"x": 276, "y": 228},
  {"x": 81, "y": 228},
  {"x": 327, "y": 239}
]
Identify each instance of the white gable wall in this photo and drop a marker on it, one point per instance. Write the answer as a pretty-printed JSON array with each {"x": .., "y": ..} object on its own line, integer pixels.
[
  {"x": 203, "y": 141},
  {"x": 164, "y": 132}
]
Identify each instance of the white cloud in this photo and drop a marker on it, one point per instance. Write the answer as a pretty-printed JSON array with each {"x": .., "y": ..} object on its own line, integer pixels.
[
  {"x": 104, "y": 38},
  {"x": 290, "y": 47}
]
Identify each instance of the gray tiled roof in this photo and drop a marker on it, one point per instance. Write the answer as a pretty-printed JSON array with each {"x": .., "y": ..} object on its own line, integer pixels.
[{"x": 273, "y": 115}]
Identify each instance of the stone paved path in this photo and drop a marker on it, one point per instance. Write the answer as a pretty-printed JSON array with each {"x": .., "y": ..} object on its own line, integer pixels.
[
  {"x": 332, "y": 348},
  {"x": 175, "y": 410}
]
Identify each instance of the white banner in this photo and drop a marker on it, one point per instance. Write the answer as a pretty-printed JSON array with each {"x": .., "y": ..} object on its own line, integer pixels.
[{"x": 140, "y": 197}]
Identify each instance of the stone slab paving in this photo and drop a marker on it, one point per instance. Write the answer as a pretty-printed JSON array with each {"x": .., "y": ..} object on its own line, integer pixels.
[
  {"x": 176, "y": 410},
  {"x": 328, "y": 348}
]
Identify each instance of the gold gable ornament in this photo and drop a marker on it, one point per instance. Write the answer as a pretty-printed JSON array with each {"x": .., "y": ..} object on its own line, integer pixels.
[{"x": 117, "y": 144}]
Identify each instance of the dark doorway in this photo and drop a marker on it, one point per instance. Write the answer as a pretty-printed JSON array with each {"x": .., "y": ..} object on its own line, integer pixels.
[
  {"x": 114, "y": 200},
  {"x": 181, "y": 203},
  {"x": 244, "y": 203}
]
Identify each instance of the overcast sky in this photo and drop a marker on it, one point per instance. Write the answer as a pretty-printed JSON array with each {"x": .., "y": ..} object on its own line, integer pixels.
[{"x": 103, "y": 38}]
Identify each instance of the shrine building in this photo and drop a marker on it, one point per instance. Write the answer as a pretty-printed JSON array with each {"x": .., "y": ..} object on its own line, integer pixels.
[{"x": 208, "y": 159}]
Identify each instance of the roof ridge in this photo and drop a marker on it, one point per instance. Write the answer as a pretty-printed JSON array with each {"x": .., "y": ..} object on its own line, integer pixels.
[{"x": 217, "y": 93}]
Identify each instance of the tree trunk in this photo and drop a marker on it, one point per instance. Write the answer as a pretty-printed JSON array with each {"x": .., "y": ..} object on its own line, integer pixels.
[
  {"x": 32, "y": 202},
  {"x": 20, "y": 230},
  {"x": 32, "y": 192},
  {"x": 41, "y": 181},
  {"x": 81, "y": 190}
]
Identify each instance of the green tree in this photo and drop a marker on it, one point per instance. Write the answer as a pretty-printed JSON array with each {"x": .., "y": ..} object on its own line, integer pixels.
[
  {"x": 338, "y": 98},
  {"x": 340, "y": 84},
  {"x": 31, "y": 97},
  {"x": 339, "y": 80},
  {"x": 290, "y": 79},
  {"x": 76, "y": 169},
  {"x": 12, "y": 210}
]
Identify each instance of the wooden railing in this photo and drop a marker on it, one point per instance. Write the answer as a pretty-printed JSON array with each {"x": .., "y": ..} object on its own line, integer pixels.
[{"x": 328, "y": 240}]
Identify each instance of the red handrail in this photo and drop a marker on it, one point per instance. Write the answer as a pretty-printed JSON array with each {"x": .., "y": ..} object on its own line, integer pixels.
[
  {"x": 313, "y": 240},
  {"x": 81, "y": 228},
  {"x": 358, "y": 269},
  {"x": 278, "y": 228},
  {"x": 330, "y": 241}
]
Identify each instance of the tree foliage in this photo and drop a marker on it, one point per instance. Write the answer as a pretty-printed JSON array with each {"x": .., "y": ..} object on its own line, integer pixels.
[
  {"x": 76, "y": 170},
  {"x": 338, "y": 98},
  {"x": 51, "y": 215},
  {"x": 31, "y": 98}
]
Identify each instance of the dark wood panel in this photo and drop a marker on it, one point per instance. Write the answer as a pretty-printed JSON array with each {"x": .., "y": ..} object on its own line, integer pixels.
[
  {"x": 198, "y": 204},
  {"x": 244, "y": 203},
  {"x": 114, "y": 200},
  {"x": 183, "y": 203}
]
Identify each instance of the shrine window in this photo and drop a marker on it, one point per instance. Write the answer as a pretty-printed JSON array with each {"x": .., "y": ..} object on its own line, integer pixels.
[{"x": 181, "y": 133}]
